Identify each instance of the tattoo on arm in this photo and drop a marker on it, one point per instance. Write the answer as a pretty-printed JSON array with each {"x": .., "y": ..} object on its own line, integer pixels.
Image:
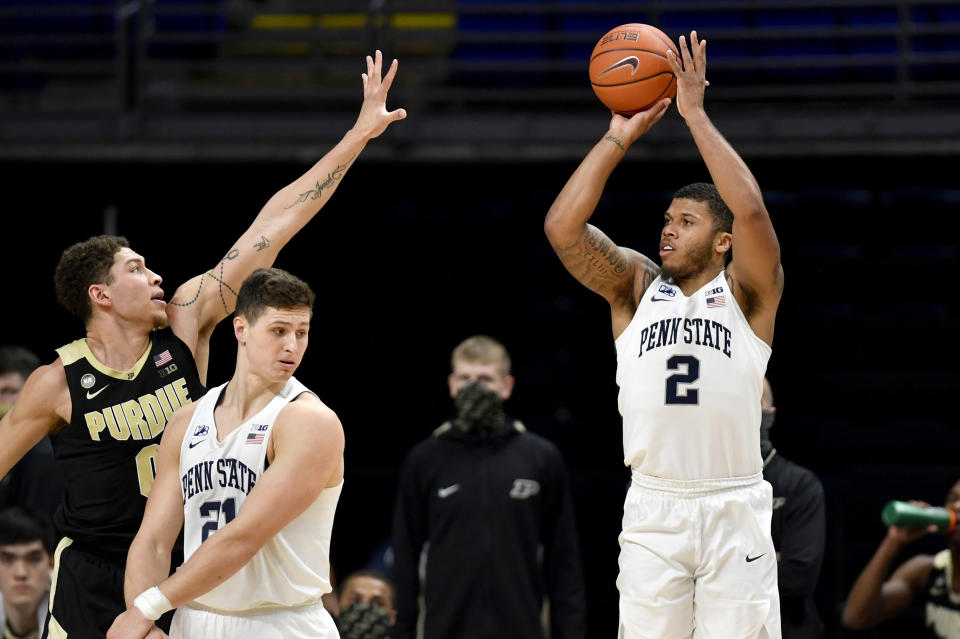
[
  {"x": 262, "y": 244},
  {"x": 332, "y": 178},
  {"x": 232, "y": 255},
  {"x": 615, "y": 140},
  {"x": 595, "y": 261}
]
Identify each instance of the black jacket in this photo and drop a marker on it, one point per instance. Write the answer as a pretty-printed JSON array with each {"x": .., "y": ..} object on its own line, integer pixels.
[
  {"x": 799, "y": 534},
  {"x": 487, "y": 508}
]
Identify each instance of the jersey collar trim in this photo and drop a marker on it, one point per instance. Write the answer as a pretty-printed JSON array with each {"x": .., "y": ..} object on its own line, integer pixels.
[{"x": 79, "y": 349}]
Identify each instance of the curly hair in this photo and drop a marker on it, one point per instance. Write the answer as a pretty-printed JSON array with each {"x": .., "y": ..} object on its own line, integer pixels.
[
  {"x": 707, "y": 193},
  {"x": 272, "y": 287},
  {"x": 81, "y": 265}
]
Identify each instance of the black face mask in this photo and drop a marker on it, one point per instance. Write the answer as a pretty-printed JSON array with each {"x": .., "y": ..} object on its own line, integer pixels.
[
  {"x": 479, "y": 411},
  {"x": 363, "y": 621},
  {"x": 766, "y": 423}
]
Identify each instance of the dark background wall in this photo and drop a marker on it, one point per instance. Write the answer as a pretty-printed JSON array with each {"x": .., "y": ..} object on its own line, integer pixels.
[{"x": 410, "y": 257}]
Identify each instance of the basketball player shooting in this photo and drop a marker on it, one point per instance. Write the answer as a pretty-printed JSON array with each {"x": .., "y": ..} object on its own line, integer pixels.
[
  {"x": 252, "y": 472},
  {"x": 106, "y": 399},
  {"x": 693, "y": 338}
]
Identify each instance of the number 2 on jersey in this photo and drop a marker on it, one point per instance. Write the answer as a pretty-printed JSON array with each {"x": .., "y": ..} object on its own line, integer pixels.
[{"x": 675, "y": 393}]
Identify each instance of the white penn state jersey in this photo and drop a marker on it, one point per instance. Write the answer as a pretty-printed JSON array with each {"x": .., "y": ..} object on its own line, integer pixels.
[
  {"x": 293, "y": 568},
  {"x": 690, "y": 371}
]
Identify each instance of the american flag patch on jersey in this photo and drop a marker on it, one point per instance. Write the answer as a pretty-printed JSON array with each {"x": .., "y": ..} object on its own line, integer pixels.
[
  {"x": 255, "y": 438},
  {"x": 163, "y": 358},
  {"x": 716, "y": 301}
]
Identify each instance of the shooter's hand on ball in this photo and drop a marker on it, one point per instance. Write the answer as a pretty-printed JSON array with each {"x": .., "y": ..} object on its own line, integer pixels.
[
  {"x": 691, "y": 75},
  {"x": 627, "y": 130},
  {"x": 374, "y": 117}
]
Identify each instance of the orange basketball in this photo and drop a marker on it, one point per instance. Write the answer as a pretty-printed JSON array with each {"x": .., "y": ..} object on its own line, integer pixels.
[{"x": 629, "y": 70}]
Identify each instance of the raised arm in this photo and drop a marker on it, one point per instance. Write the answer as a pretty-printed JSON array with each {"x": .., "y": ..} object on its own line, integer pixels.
[
  {"x": 148, "y": 561},
  {"x": 307, "y": 440},
  {"x": 199, "y": 304},
  {"x": 42, "y": 407},
  {"x": 618, "y": 274},
  {"x": 755, "y": 269}
]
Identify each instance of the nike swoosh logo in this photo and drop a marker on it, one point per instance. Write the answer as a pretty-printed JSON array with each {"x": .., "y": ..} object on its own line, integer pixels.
[
  {"x": 443, "y": 493},
  {"x": 95, "y": 393},
  {"x": 660, "y": 299},
  {"x": 749, "y": 558},
  {"x": 631, "y": 61},
  {"x": 192, "y": 444}
]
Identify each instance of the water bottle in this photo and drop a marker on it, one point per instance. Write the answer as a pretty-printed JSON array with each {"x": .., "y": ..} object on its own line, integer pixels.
[{"x": 900, "y": 513}]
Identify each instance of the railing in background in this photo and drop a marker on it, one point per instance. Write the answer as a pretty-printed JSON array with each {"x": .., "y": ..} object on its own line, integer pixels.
[{"x": 143, "y": 57}]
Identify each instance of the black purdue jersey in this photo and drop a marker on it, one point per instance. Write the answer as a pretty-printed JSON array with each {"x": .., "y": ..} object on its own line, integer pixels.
[
  {"x": 942, "y": 605},
  {"x": 108, "y": 452}
]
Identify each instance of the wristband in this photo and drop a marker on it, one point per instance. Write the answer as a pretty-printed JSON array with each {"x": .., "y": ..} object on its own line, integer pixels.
[{"x": 152, "y": 603}]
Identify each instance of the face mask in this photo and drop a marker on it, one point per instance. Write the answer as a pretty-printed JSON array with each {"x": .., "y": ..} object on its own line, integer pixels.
[
  {"x": 479, "y": 411},
  {"x": 363, "y": 621},
  {"x": 766, "y": 423}
]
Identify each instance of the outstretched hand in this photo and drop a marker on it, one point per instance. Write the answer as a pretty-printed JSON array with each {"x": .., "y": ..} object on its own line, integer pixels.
[
  {"x": 691, "y": 74},
  {"x": 374, "y": 117},
  {"x": 627, "y": 130}
]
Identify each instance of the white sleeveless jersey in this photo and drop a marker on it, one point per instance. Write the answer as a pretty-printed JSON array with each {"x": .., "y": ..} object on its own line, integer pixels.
[
  {"x": 690, "y": 371},
  {"x": 293, "y": 568}
]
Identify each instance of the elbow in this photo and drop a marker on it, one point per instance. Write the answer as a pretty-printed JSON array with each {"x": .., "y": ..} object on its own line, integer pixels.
[
  {"x": 556, "y": 231},
  {"x": 852, "y": 620}
]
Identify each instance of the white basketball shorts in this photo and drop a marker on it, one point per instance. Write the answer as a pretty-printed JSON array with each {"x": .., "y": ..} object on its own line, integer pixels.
[
  {"x": 302, "y": 622},
  {"x": 697, "y": 560}
]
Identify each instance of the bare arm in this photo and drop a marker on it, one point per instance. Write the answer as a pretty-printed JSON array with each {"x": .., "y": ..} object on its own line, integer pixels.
[
  {"x": 202, "y": 302},
  {"x": 873, "y": 599},
  {"x": 308, "y": 457},
  {"x": 148, "y": 561},
  {"x": 756, "y": 269},
  {"x": 43, "y": 407},
  {"x": 619, "y": 275}
]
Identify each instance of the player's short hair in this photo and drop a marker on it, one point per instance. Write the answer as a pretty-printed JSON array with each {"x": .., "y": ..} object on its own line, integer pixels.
[
  {"x": 20, "y": 526},
  {"x": 81, "y": 265},
  {"x": 484, "y": 350},
  {"x": 707, "y": 193},
  {"x": 372, "y": 574},
  {"x": 274, "y": 288},
  {"x": 17, "y": 359}
]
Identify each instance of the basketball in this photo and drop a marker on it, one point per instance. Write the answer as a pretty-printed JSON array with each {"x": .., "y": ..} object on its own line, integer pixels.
[{"x": 629, "y": 71}]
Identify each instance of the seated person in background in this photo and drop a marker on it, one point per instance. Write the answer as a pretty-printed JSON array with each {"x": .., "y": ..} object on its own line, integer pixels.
[
  {"x": 26, "y": 559},
  {"x": 931, "y": 579},
  {"x": 35, "y": 481},
  {"x": 366, "y": 606},
  {"x": 798, "y": 528}
]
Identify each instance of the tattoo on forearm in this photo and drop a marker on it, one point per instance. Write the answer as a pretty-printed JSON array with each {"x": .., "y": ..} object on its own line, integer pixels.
[
  {"x": 615, "y": 140},
  {"x": 332, "y": 178},
  {"x": 262, "y": 244}
]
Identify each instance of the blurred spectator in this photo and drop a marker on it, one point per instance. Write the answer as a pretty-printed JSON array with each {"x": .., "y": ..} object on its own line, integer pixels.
[
  {"x": 489, "y": 504},
  {"x": 26, "y": 559},
  {"x": 930, "y": 579},
  {"x": 366, "y": 606},
  {"x": 35, "y": 482},
  {"x": 16, "y": 364},
  {"x": 798, "y": 529}
]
